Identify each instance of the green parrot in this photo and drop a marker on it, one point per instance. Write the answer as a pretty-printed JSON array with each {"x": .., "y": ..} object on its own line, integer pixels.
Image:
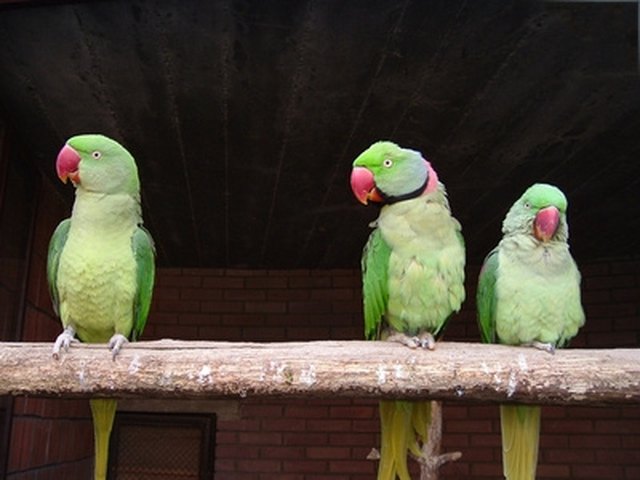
[
  {"x": 529, "y": 294},
  {"x": 412, "y": 274},
  {"x": 101, "y": 261}
]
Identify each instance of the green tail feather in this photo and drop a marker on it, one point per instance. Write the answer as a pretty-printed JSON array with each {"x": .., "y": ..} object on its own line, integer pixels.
[
  {"x": 103, "y": 411},
  {"x": 520, "y": 434},
  {"x": 403, "y": 427}
]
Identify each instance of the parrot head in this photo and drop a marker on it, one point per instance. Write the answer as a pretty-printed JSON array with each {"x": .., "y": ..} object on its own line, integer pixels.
[
  {"x": 541, "y": 212},
  {"x": 99, "y": 164},
  {"x": 387, "y": 173}
]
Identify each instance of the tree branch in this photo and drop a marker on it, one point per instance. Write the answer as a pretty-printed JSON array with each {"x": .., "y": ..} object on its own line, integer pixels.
[{"x": 453, "y": 371}]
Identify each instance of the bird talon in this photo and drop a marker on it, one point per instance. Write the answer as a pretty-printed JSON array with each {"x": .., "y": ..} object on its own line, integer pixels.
[
  {"x": 63, "y": 341},
  {"x": 115, "y": 344}
]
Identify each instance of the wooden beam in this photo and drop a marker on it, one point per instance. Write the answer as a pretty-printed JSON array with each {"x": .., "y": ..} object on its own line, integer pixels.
[{"x": 453, "y": 371}]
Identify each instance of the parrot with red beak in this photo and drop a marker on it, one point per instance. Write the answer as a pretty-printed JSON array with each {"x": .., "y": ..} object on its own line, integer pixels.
[
  {"x": 101, "y": 261},
  {"x": 529, "y": 294},
  {"x": 412, "y": 275}
]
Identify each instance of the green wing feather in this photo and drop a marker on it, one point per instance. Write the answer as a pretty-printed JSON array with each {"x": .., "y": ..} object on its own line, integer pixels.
[
  {"x": 375, "y": 290},
  {"x": 486, "y": 298},
  {"x": 56, "y": 244},
  {"x": 144, "y": 253}
]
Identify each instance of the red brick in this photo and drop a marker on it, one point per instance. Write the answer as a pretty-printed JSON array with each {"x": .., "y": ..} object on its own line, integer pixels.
[
  {"x": 243, "y": 294},
  {"x": 220, "y": 334},
  {"x": 328, "y": 452},
  {"x": 234, "y": 451},
  {"x": 353, "y": 439},
  {"x": 177, "y": 306},
  {"x": 568, "y": 455},
  {"x": 332, "y": 294},
  {"x": 288, "y": 294},
  {"x": 306, "y": 411},
  {"x": 258, "y": 465},
  {"x": 265, "y": 307},
  {"x": 259, "y": 438},
  {"x": 596, "y": 471},
  {"x": 304, "y": 438},
  {"x": 553, "y": 471},
  {"x": 359, "y": 411},
  {"x": 469, "y": 426},
  {"x": 351, "y": 466},
  {"x": 309, "y": 307},
  {"x": 617, "y": 426},
  {"x": 309, "y": 282},
  {"x": 265, "y": 282},
  {"x": 200, "y": 294},
  {"x": 305, "y": 466},
  {"x": 569, "y": 426},
  {"x": 222, "y": 306},
  {"x": 243, "y": 319},
  {"x": 609, "y": 456},
  {"x": 259, "y": 410},
  {"x": 282, "y": 453},
  {"x": 326, "y": 425},
  {"x": 222, "y": 282},
  {"x": 207, "y": 319},
  {"x": 283, "y": 424}
]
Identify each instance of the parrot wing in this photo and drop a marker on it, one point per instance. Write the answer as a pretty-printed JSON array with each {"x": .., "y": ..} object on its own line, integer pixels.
[
  {"x": 144, "y": 253},
  {"x": 58, "y": 240},
  {"x": 375, "y": 266},
  {"x": 486, "y": 297}
]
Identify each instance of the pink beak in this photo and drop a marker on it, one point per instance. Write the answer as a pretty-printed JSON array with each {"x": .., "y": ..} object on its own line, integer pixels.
[
  {"x": 364, "y": 186},
  {"x": 546, "y": 223},
  {"x": 67, "y": 165}
]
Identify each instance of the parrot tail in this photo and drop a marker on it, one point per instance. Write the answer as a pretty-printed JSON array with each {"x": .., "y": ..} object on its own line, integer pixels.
[
  {"x": 520, "y": 433},
  {"x": 403, "y": 426},
  {"x": 103, "y": 411}
]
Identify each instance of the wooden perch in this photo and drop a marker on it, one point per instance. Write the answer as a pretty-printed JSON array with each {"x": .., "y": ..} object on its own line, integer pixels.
[{"x": 453, "y": 371}]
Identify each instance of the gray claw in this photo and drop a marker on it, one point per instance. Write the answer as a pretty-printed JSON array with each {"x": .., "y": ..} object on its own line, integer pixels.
[
  {"x": 64, "y": 341},
  {"x": 115, "y": 344}
]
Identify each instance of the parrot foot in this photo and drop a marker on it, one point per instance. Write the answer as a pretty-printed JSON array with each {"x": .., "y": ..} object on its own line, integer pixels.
[
  {"x": 424, "y": 340},
  {"x": 64, "y": 341},
  {"x": 115, "y": 344},
  {"x": 427, "y": 341},
  {"x": 547, "y": 347}
]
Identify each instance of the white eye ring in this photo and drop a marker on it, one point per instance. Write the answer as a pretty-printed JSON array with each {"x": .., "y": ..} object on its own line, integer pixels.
[
  {"x": 387, "y": 163},
  {"x": 527, "y": 205},
  {"x": 96, "y": 154}
]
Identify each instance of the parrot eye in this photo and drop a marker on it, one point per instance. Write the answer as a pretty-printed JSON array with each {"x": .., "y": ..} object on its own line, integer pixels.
[
  {"x": 387, "y": 163},
  {"x": 96, "y": 154},
  {"x": 527, "y": 205}
]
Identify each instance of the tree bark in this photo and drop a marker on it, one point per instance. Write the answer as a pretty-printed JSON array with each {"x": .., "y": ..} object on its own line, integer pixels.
[{"x": 453, "y": 371}]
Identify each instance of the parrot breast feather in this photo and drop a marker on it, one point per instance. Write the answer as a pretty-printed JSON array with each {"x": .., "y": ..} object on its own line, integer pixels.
[{"x": 375, "y": 287}]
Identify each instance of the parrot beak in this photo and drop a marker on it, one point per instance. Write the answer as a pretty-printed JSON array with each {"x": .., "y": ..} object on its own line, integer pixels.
[
  {"x": 546, "y": 223},
  {"x": 364, "y": 186},
  {"x": 67, "y": 165}
]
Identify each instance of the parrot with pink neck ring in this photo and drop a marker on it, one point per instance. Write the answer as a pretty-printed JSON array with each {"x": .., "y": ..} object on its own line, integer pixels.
[{"x": 412, "y": 275}]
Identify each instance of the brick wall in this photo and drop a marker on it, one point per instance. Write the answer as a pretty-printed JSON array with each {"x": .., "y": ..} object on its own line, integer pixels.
[{"x": 326, "y": 439}]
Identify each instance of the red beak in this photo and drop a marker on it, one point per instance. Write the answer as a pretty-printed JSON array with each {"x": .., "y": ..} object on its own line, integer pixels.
[
  {"x": 67, "y": 165},
  {"x": 364, "y": 186},
  {"x": 546, "y": 223}
]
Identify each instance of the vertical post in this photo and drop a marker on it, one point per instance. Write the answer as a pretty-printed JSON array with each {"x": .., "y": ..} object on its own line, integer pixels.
[{"x": 431, "y": 460}]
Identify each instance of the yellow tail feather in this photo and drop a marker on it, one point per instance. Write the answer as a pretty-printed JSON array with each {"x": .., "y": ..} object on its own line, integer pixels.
[
  {"x": 520, "y": 434},
  {"x": 103, "y": 411},
  {"x": 403, "y": 426}
]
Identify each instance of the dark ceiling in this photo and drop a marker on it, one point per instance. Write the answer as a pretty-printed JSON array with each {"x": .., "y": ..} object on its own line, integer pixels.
[{"x": 245, "y": 116}]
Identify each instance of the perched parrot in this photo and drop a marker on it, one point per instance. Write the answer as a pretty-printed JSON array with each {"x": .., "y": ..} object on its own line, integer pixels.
[
  {"x": 413, "y": 277},
  {"x": 529, "y": 294},
  {"x": 101, "y": 261}
]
